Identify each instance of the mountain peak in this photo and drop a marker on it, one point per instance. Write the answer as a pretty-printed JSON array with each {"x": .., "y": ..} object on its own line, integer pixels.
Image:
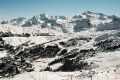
[
  {"x": 44, "y": 16},
  {"x": 1, "y": 20},
  {"x": 19, "y": 19},
  {"x": 36, "y": 17},
  {"x": 88, "y": 12},
  {"x": 93, "y": 13}
]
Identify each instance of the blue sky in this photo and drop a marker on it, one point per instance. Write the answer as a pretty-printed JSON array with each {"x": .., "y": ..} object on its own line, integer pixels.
[{"x": 10, "y": 9}]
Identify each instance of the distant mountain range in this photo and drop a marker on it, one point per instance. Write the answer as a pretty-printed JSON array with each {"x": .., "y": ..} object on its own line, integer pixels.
[{"x": 76, "y": 23}]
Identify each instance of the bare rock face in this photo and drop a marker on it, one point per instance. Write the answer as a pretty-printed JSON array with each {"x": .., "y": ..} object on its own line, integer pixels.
[
  {"x": 73, "y": 60},
  {"x": 10, "y": 67},
  {"x": 21, "y": 61},
  {"x": 108, "y": 44}
]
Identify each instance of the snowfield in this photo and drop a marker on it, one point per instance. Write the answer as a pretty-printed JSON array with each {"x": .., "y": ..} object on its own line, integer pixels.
[{"x": 84, "y": 47}]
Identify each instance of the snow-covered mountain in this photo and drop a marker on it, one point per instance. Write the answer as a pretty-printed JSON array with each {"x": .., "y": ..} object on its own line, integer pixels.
[
  {"x": 42, "y": 19},
  {"x": 83, "y": 47},
  {"x": 64, "y": 24},
  {"x": 91, "y": 15},
  {"x": 1, "y": 21},
  {"x": 17, "y": 21}
]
